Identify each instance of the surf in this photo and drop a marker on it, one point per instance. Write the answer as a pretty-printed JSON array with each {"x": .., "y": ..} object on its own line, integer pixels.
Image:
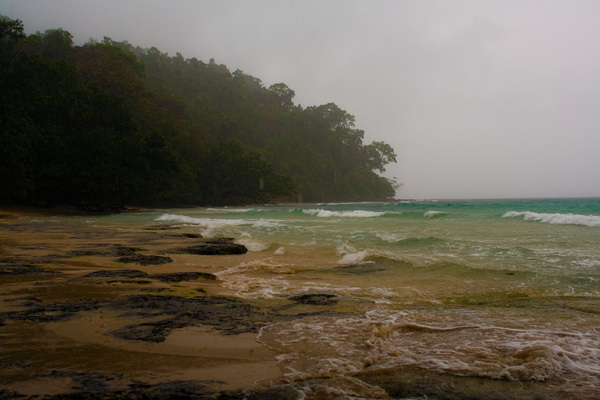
[{"x": 556, "y": 218}]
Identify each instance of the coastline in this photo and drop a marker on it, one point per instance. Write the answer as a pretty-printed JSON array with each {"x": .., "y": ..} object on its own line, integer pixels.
[
  {"x": 359, "y": 300},
  {"x": 60, "y": 324}
]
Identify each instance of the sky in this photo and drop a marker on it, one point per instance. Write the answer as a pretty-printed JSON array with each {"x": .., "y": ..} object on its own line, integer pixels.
[{"x": 479, "y": 98}]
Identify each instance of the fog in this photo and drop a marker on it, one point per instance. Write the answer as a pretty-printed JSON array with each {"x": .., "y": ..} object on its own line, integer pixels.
[{"x": 480, "y": 99}]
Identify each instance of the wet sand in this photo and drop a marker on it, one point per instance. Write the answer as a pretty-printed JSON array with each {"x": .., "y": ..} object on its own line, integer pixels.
[{"x": 66, "y": 329}]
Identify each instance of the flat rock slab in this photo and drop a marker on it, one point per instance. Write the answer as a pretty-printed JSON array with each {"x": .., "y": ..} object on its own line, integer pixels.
[
  {"x": 168, "y": 277},
  {"x": 120, "y": 273},
  {"x": 114, "y": 250},
  {"x": 224, "y": 246},
  {"x": 145, "y": 260},
  {"x": 316, "y": 299},
  {"x": 183, "y": 276},
  {"x": 18, "y": 269}
]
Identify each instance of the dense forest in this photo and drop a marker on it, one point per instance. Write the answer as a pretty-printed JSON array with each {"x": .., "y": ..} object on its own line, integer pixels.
[{"x": 110, "y": 124}]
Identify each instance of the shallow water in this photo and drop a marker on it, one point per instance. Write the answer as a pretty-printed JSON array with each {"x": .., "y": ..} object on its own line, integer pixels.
[{"x": 504, "y": 292}]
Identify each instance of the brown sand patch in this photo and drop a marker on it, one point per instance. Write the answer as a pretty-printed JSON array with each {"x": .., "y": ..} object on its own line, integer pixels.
[
  {"x": 56, "y": 329},
  {"x": 65, "y": 330}
]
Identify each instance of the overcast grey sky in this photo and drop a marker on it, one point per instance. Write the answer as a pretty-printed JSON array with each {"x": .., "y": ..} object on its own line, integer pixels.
[{"x": 478, "y": 98}]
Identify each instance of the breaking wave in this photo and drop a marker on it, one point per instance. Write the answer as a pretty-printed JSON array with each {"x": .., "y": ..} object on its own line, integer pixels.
[
  {"x": 434, "y": 214},
  {"x": 452, "y": 343},
  {"x": 346, "y": 214},
  {"x": 216, "y": 222},
  {"x": 183, "y": 219},
  {"x": 561, "y": 219}
]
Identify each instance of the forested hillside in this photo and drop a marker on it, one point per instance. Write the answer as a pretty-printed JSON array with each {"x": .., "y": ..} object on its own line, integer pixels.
[{"x": 108, "y": 123}]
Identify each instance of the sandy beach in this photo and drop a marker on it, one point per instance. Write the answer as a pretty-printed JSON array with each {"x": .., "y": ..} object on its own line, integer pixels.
[
  {"x": 341, "y": 301},
  {"x": 67, "y": 327}
]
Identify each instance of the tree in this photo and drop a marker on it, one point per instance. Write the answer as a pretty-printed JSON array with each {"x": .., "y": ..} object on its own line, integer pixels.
[
  {"x": 232, "y": 175},
  {"x": 379, "y": 155},
  {"x": 11, "y": 29},
  {"x": 110, "y": 123},
  {"x": 55, "y": 44},
  {"x": 284, "y": 95},
  {"x": 112, "y": 69}
]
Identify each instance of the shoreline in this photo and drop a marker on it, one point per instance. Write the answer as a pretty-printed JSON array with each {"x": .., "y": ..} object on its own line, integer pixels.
[
  {"x": 117, "y": 307},
  {"x": 66, "y": 331}
]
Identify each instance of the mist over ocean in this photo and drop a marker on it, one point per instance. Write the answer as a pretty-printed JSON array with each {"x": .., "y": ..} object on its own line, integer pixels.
[{"x": 499, "y": 290}]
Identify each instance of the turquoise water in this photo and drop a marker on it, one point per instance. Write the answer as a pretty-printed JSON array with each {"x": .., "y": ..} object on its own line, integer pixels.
[
  {"x": 553, "y": 239},
  {"x": 505, "y": 290}
]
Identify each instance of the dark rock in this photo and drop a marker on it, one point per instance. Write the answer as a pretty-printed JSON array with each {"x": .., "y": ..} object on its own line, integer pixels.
[
  {"x": 119, "y": 273},
  {"x": 183, "y": 276},
  {"x": 137, "y": 282},
  {"x": 163, "y": 313},
  {"x": 94, "y": 386},
  {"x": 223, "y": 246},
  {"x": 160, "y": 228},
  {"x": 95, "y": 382},
  {"x": 189, "y": 235},
  {"x": 7, "y": 394},
  {"x": 145, "y": 260},
  {"x": 134, "y": 273},
  {"x": 116, "y": 250},
  {"x": 227, "y": 315},
  {"x": 316, "y": 299},
  {"x": 18, "y": 269},
  {"x": 120, "y": 251},
  {"x": 30, "y": 301},
  {"x": 53, "y": 312},
  {"x": 83, "y": 253}
]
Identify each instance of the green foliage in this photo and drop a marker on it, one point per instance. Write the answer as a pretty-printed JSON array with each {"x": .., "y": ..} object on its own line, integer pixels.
[
  {"x": 231, "y": 175},
  {"x": 55, "y": 44},
  {"x": 107, "y": 123},
  {"x": 11, "y": 29}
]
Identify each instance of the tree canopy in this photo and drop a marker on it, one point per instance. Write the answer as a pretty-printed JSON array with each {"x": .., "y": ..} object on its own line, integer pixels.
[{"x": 110, "y": 123}]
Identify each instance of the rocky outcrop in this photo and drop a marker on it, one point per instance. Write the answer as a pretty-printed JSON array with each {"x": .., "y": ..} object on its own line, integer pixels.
[
  {"x": 167, "y": 277},
  {"x": 145, "y": 260},
  {"x": 221, "y": 246},
  {"x": 316, "y": 299},
  {"x": 19, "y": 269}
]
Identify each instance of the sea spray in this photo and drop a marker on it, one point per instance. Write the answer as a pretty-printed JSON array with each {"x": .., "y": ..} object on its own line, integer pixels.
[
  {"x": 344, "y": 214},
  {"x": 562, "y": 219}
]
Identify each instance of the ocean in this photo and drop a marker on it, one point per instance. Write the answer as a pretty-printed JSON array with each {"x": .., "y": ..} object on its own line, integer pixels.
[{"x": 434, "y": 299}]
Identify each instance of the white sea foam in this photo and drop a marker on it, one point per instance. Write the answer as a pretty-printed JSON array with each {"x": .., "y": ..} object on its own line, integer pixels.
[
  {"x": 389, "y": 237},
  {"x": 206, "y": 222},
  {"x": 433, "y": 214},
  {"x": 459, "y": 343},
  {"x": 353, "y": 258},
  {"x": 562, "y": 219},
  {"x": 350, "y": 255},
  {"x": 251, "y": 287},
  {"x": 265, "y": 223},
  {"x": 210, "y": 227},
  {"x": 344, "y": 214},
  {"x": 214, "y": 227},
  {"x": 587, "y": 263},
  {"x": 251, "y": 243}
]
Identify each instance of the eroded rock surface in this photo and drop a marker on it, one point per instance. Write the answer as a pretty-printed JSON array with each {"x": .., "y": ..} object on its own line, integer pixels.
[{"x": 223, "y": 246}]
